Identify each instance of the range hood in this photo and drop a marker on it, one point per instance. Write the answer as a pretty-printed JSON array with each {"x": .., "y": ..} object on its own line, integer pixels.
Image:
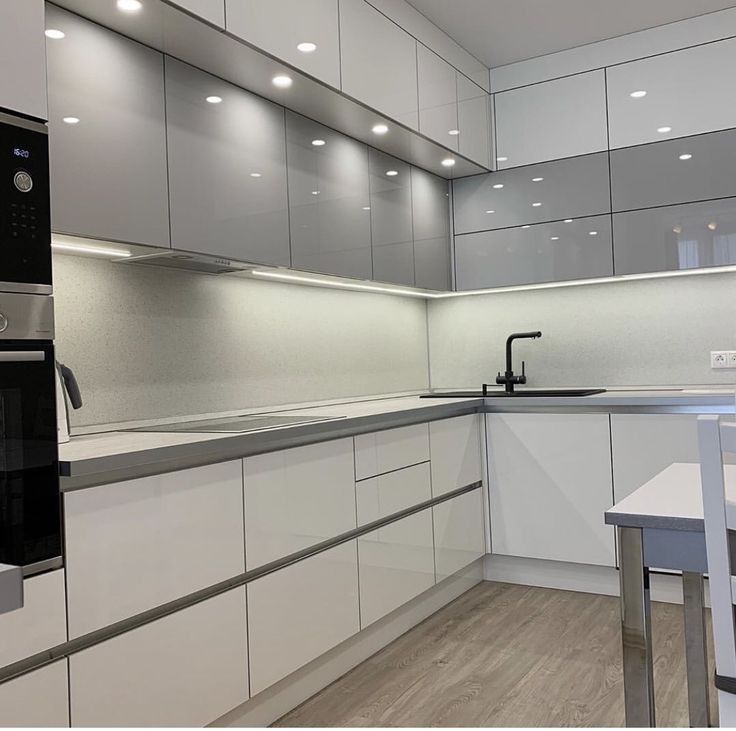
[{"x": 191, "y": 262}]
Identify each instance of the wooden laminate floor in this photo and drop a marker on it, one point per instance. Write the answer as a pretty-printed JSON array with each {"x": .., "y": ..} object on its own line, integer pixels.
[{"x": 506, "y": 655}]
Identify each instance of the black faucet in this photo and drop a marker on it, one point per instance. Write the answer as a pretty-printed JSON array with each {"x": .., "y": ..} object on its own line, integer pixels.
[{"x": 508, "y": 378}]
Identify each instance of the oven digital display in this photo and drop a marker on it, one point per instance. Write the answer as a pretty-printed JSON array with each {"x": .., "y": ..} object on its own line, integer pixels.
[{"x": 20, "y": 152}]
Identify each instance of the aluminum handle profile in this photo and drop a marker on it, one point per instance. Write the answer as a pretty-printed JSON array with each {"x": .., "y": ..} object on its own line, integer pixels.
[{"x": 22, "y": 356}]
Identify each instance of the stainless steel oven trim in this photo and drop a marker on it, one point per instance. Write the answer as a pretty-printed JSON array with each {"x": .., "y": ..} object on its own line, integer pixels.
[
  {"x": 22, "y": 122},
  {"x": 26, "y": 288},
  {"x": 26, "y": 317},
  {"x": 40, "y": 567}
]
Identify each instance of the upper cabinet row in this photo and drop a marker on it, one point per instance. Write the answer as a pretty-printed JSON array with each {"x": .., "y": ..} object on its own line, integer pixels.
[
  {"x": 667, "y": 96},
  {"x": 193, "y": 162},
  {"x": 351, "y": 46}
]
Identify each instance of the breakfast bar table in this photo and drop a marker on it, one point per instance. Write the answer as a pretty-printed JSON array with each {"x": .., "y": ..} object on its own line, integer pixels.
[{"x": 660, "y": 525}]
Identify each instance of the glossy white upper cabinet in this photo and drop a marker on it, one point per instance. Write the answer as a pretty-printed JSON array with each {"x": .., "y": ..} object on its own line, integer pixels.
[
  {"x": 125, "y": 545},
  {"x": 295, "y": 498},
  {"x": 549, "y": 476},
  {"x": 437, "y": 98},
  {"x": 211, "y": 10},
  {"x": 227, "y": 169},
  {"x": 686, "y": 92},
  {"x": 455, "y": 445},
  {"x": 430, "y": 202},
  {"x": 378, "y": 62},
  {"x": 107, "y": 135},
  {"x": 303, "y": 33},
  {"x": 474, "y": 121},
  {"x": 554, "y": 119},
  {"x": 459, "y": 534},
  {"x": 392, "y": 449},
  {"x": 39, "y": 699},
  {"x": 23, "y": 57}
]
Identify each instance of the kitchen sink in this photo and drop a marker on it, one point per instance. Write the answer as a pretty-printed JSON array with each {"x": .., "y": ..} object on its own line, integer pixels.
[
  {"x": 234, "y": 424},
  {"x": 528, "y": 392}
]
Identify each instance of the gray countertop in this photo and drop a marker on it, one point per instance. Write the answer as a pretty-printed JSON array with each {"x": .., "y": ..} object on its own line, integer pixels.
[{"x": 105, "y": 457}]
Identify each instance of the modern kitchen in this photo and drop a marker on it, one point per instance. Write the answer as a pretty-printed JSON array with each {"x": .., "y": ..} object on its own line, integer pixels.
[{"x": 366, "y": 363}]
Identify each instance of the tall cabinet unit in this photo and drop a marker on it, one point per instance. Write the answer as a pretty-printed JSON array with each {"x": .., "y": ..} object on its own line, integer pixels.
[{"x": 107, "y": 134}]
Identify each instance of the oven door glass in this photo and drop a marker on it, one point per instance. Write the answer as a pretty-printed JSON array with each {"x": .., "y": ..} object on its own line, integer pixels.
[{"x": 30, "y": 520}]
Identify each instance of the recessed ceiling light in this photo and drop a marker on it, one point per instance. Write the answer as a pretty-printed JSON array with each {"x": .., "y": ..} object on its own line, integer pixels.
[
  {"x": 379, "y": 129},
  {"x": 130, "y": 6},
  {"x": 537, "y": 204},
  {"x": 213, "y": 99},
  {"x": 448, "y": 162},
  {"x": 526, "y": 226},
  {"x": 537, "y": 180},
  {"x": 490, "y": 211},
  {"x": 554, "y": 238},
  {"x": 498, "y": 186},
  {"x": 282, "y": 81},
  {"x": 366, "y": 208},
  {"x": 677, "y": 229},
  {"x": 57, "y": 35},
  {"x": 568, "y": 220},
  {"x": 664, "y": 130},
  {"x": 453, "y": 132},
  {"x": 501, "y": 159},
  {"x": 306, "y": 47},
  {"x": 71, "y": 120},
  {"x": 685, "y": 156},
  {"x": 318, "y": 143},
  {"x": 712, "y": 225},
  {"x": 391, "y": 173},
  {"x": 255, "y": 175},
  {"x": 592, "y": 233},
  {"x": 315, "y": 192},
  {"x": 638, "y": 94}
]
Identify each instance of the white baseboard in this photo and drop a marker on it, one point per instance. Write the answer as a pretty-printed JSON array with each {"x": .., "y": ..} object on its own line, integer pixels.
[{"x": 269, "y": 705}]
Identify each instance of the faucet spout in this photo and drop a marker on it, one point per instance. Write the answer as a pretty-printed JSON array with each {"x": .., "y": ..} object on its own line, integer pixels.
[{"x": 509, "y": 380}]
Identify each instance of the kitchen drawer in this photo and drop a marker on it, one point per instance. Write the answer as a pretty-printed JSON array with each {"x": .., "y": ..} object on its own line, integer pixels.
[
  {"x": 186, "y": 669},
  {"x": 135, "y": 545},
  {"x": 381, "y": 496},
  {"x": 396, "y": 563},
  {"x": 300, "y": 612},
  {"x": 40, "y": 624},
  {"x": 455, "y": 445},
  {"x": 389, "y": 450},
  {"x": 296, "y": 498},
  {"x": 459, "y": 537},
  {"x": 39, "y": 699}
]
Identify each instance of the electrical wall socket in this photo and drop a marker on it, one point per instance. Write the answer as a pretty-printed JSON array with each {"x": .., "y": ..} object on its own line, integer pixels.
[{"x": 723, "y": 358}]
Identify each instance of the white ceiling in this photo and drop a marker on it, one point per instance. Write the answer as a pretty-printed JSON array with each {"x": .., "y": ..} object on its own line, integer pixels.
[{"x": 503, "y": 31}]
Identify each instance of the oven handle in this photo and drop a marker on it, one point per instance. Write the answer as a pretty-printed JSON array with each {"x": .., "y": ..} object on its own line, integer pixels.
[{"x": 21, "y": 356}]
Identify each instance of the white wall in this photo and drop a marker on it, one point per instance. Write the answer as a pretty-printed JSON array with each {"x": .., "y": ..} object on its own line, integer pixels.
[
  {"x": 633, "y": 333},
  {"x": 151, "y": 343}
]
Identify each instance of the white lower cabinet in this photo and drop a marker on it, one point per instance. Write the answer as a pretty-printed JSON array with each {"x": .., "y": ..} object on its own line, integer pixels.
[
  {"x": 296, "y": 498},
  {"x": 550, "y": 483},
  {"x": 381, "y": 496},
  {"x": 459, "y": 537},
  {"x": 39, "y": 699},
  {"x": 300, "y": 612},
  {"x": 186, "y": 669},
  {"x": 392, "y": 449},
  {"x": 131, "y": 546},
  {"x": 455, "y": 445},
  {"x": 396, "y": 563}
]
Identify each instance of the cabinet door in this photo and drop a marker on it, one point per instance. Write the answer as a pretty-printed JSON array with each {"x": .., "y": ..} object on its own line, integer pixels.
[
  {"x": 550, "y": 483},
  {"x": 431, "y": 223},
  {"x": 227, "y": 169},
  {"x": 22, "y": 50},
  {"x": 296, "y": 498},
  {"x": 329, "y": 200},
  {"x": 39, "y": 699},
  {"x": 554, "y": 119},
  {"x": 108, "y": 169},
  {"x": 455, "y": 446},
  {"x": 474, "y": 121},
  {"x": 396, "y": 564},
  {"x": 282, "y": 27},
  {"x": 378, "y": 62},
  {"x": 392, "y": 449},
  {"x": 458, "y": 533},
  {"x": 131, "y": 546},
  {"x": 438, "y": 110},
  {"x": 684, "y": 94},
  {"x": 545, "y": 252},
  {"x": 211, "y": 10},
  {"x": 383, "y": 495},
  {"x": 391, "y": 219},
  {"x": 40, "y": 624},
  {"x": 299, "y": 612},
  {"x": 186, "y": 669}
]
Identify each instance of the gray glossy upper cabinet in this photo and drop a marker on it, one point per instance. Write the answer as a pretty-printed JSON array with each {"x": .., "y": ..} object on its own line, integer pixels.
[
  {"x": 675, "y": 237},
  {"x": 687, "y": 92},
  {"x": 674, "y": 171},
  {"x": 23, "y": 89},
  {"x": 329, "y": 200},
  {"x": 550, "y": 191},
  {"x": 391, "y": 219},
  {"x": 379, "y": 62},
  {"x": 474, "y": 121},
  {"x": 431, "y": 222},
  {"x": 554, "y": 119},
  {"x": 544, "y": 252},
  {"x": 211, "y": 10},
  {"x": 303, "y": 33},
  {"x": 227, "y": 169},
  {"x": 107, "y": 134},
  {"x": 437, "y": 98}
]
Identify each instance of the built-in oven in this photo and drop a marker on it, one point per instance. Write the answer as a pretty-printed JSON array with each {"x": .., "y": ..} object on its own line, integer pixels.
[
  {"x": 30, "y": 515},
  {"x": 25, "y": 218}
]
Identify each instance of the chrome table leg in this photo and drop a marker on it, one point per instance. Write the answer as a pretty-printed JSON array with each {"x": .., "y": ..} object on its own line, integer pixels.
[{"x": 696, "y": 653}]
